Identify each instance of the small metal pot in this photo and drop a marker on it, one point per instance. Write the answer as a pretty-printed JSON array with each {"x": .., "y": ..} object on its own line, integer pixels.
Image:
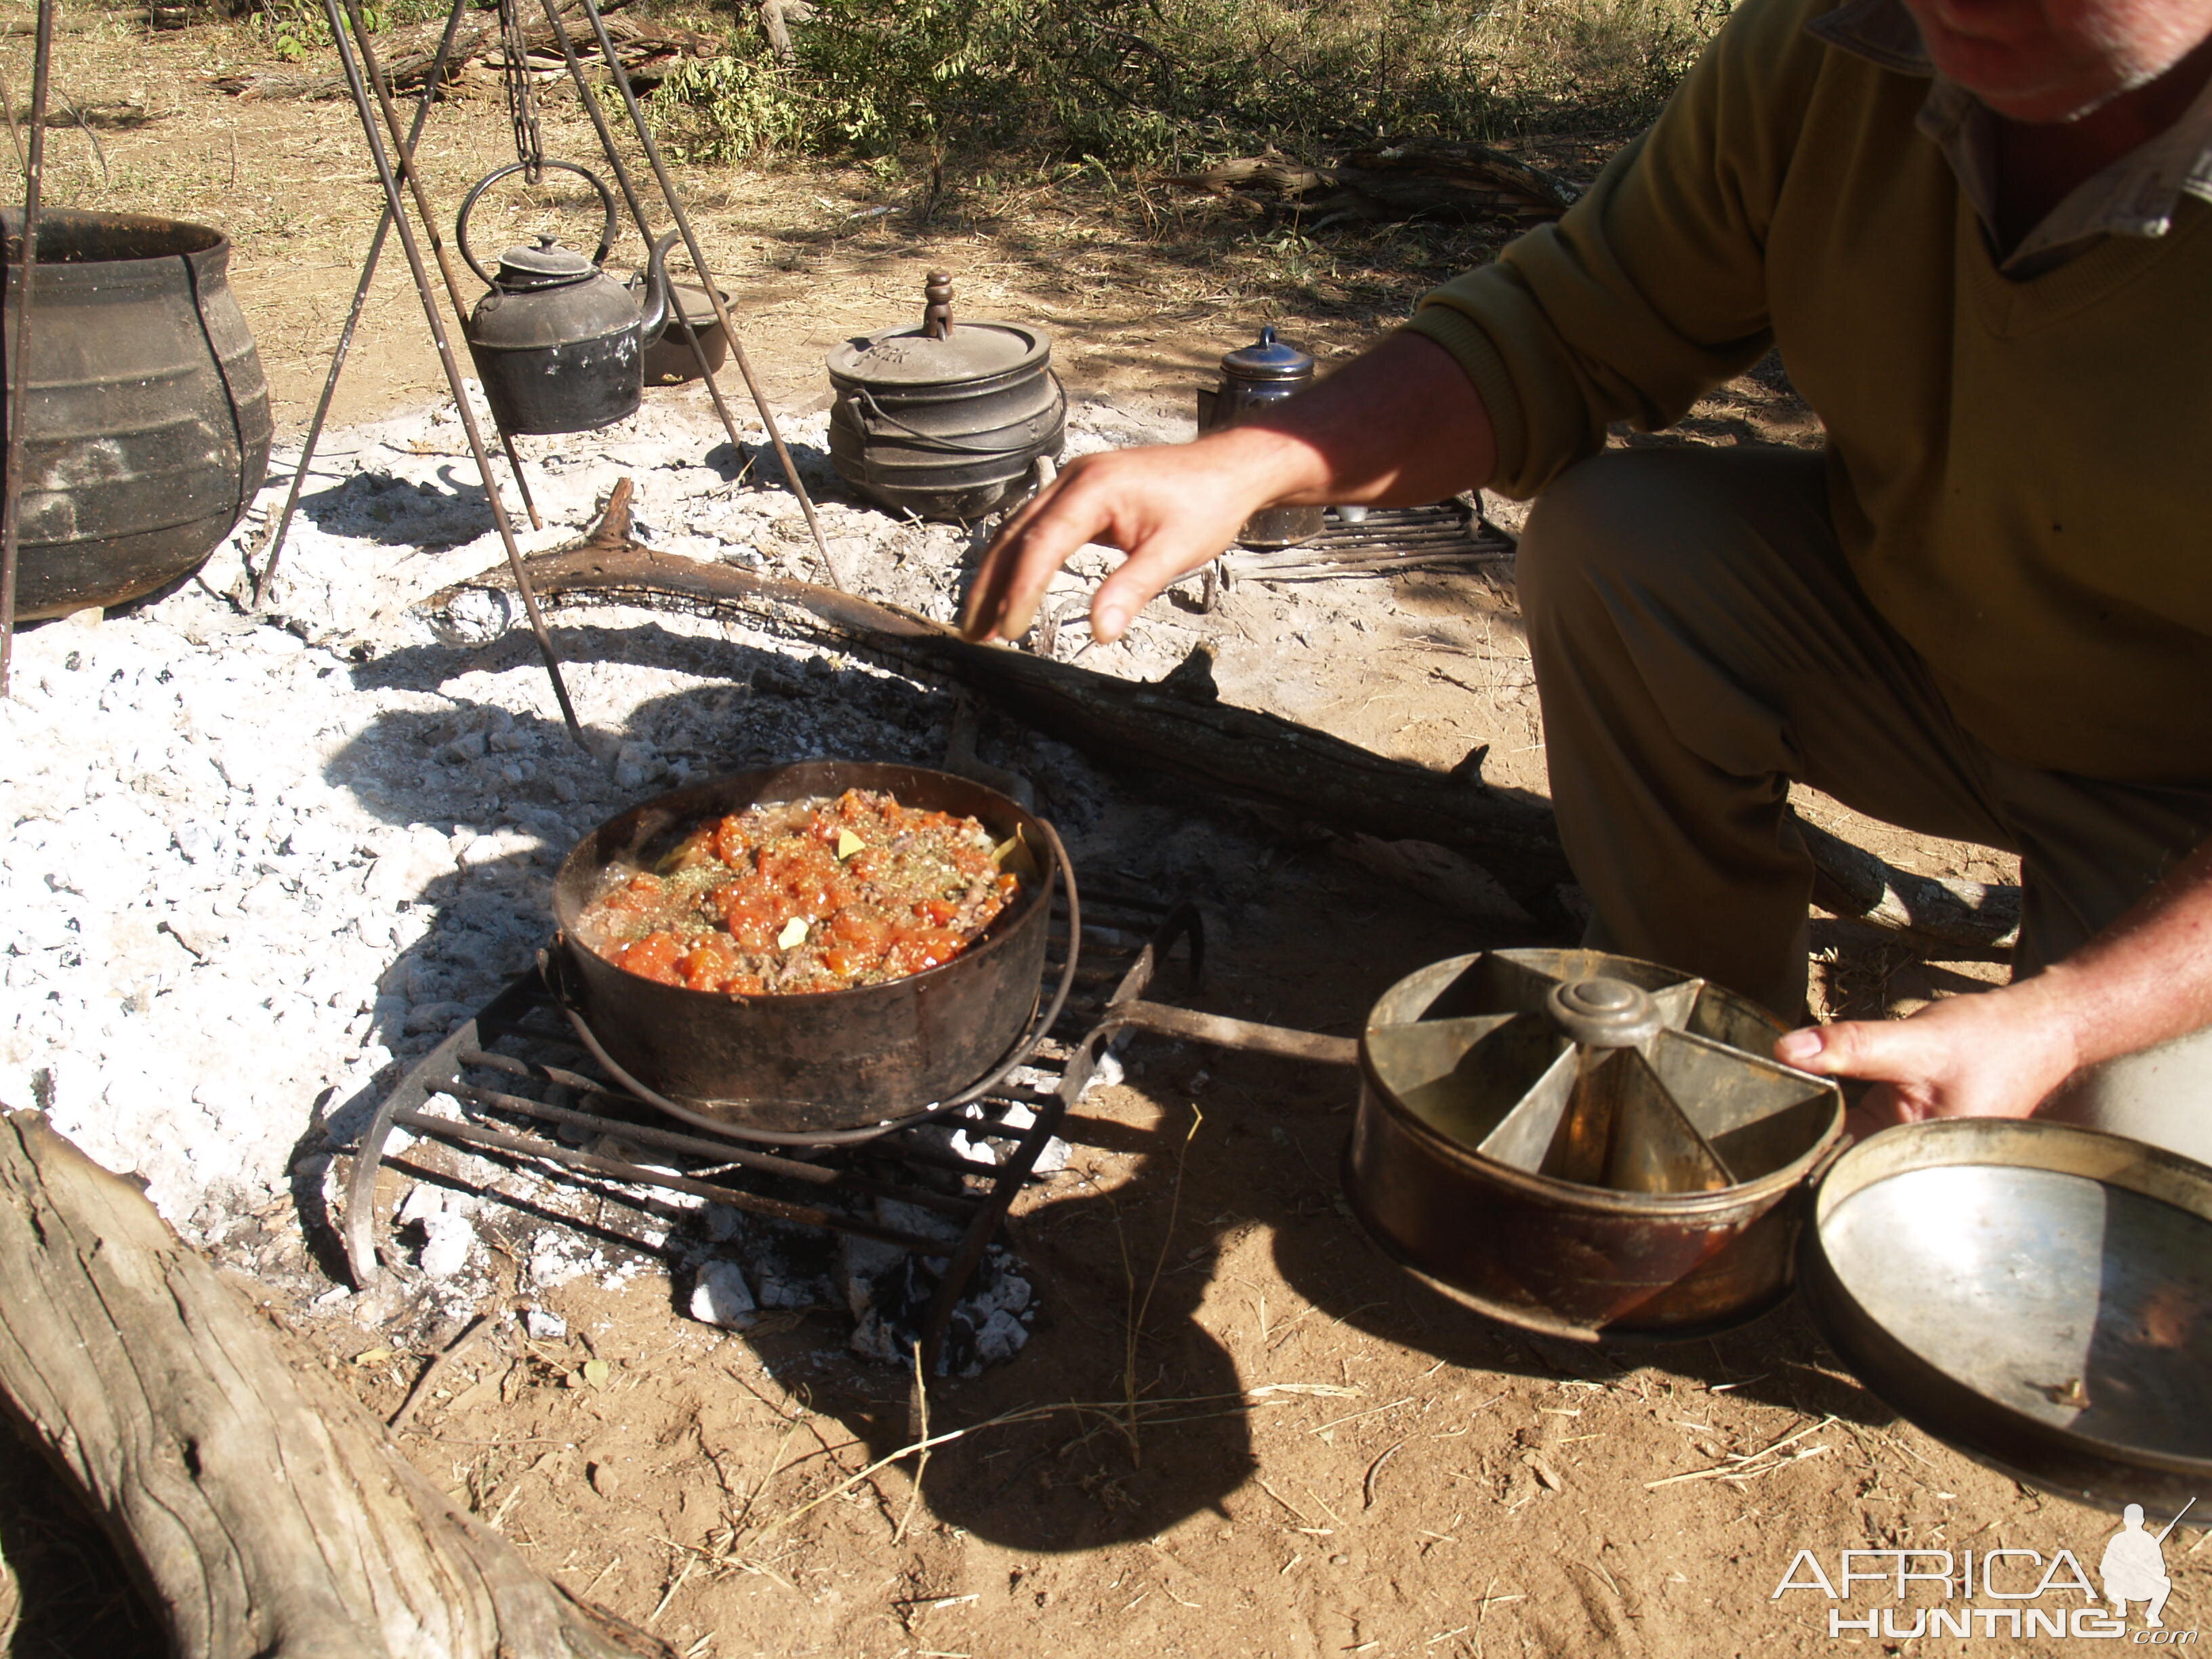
[
  {"x": 1252, "y": 377},
  {"x": 942, "y": 421},
  {"x": 668, "y": 359},
  {"x": 823, "y": 1061}
]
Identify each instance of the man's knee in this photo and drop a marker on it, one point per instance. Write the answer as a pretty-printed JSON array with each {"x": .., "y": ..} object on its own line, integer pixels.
[{"x": 1584, "y": 529}]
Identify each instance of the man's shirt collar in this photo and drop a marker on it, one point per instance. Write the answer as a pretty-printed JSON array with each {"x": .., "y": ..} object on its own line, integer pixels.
[{"x": 2137, "y": 196}]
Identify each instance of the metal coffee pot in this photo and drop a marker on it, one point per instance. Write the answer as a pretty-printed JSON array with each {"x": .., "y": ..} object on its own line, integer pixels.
[
  {"x": 559, "y": 344},
  {"x": 1253, "y": 377}
]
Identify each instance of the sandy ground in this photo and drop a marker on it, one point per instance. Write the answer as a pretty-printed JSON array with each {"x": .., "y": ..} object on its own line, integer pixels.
[{"x": 1236, "y": 1428}]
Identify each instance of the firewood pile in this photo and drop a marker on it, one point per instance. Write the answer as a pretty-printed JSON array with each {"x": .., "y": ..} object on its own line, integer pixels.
[
  {"x": 1393, "y": 181},
  {"x": 647, "y": 49}
]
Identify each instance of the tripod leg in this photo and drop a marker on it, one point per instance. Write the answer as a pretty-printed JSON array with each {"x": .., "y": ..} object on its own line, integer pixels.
[
  {"x": 274, "y": 545},
  {"x": 19, "y": 363},
  {"x": 520, "y": 483},
  {"x": 396, "y": 209}
]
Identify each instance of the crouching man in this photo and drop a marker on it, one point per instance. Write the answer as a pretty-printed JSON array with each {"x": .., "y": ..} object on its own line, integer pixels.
[{"x": 1980, "y": 234}]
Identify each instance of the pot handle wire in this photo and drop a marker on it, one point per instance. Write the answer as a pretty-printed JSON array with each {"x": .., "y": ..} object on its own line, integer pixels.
[
  {"x": 867, "y": 399},
  {"x": 555, "y": 974},
  {"x": 469, "y": 202}
]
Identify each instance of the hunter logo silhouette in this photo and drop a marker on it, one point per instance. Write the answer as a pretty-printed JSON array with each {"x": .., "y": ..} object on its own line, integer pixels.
[{"x": 2134, "y": 1565}]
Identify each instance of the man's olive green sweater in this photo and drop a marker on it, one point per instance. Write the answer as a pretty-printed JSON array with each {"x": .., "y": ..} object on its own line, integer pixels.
[{"x": 2020, "y": 471}]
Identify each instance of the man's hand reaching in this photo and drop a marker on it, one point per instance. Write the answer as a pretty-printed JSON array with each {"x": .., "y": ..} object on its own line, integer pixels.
[
  {"x": 1169, "y": 508},
  {"x": 2145, "y": 980},
  {"x": 1398, "y": 425},
  {"x": 1995, "y": 1053}
]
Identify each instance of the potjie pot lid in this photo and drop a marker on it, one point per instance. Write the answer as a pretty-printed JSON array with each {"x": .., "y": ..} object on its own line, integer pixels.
[
  {"x": 939, "y": 351},
  {"x": 1268, "y": 359},
  {"x": 2036, "y": 1295}
]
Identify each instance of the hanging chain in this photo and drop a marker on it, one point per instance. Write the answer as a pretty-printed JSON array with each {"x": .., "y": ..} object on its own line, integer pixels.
[{"x": 521, "y": 97}]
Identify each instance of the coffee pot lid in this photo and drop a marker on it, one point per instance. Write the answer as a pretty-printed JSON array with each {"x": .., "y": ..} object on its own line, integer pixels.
[
  {"x": 547, "y": 265},
  {"x": 938, "y": 352},
  {"x": 1268, "y": 359}
]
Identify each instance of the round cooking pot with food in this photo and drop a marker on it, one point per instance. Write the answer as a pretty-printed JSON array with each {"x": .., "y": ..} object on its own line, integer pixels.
[{"x": 809, "y": 1063}]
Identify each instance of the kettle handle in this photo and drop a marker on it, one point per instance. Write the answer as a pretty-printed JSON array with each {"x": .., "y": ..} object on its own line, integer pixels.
[{"x": 469, "y": 202}]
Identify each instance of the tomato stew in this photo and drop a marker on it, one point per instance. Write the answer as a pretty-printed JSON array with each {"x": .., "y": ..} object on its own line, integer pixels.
[{"x": 813, "y": 895}]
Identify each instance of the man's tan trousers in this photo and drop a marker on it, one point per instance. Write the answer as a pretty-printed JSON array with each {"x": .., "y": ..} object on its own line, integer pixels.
[{"x": 1700, "y": 645}]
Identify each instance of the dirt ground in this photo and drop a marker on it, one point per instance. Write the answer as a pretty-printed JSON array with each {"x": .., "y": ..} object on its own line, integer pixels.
[{"x": 1237, "y": 1428}]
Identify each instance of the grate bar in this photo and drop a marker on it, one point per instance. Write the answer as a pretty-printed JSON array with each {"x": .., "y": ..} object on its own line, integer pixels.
[
  {"x": 736, "y": 1197},
  {"x": 723, "y": 1153}
]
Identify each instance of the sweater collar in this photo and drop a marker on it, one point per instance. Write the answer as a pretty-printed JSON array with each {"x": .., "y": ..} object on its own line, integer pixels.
[{"x": 2138, "y": 195}]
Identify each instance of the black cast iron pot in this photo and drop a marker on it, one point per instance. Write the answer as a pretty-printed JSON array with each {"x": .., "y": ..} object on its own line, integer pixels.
[
  {"x": 814, "y": 1063},
  {"x": 945, "y": 421},
  {"x": 146, "y": 429}
]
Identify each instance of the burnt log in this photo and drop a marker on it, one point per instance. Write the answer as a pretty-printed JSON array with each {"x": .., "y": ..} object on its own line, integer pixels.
[
  {"x": 263, "y": 1509},
  {"x": 1177, "y": 729},
  {"x": 1392, "y": 180},
  {"x": 644, "y": 49}
]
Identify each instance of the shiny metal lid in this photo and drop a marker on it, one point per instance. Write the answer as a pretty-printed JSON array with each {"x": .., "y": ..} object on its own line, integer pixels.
[{"x": 1268, "y": 359}]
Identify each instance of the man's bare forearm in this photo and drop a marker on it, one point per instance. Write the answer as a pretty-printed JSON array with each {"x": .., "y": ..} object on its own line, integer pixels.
[
  {"x": 2148, "y": 978},
  {"x": 1399, "y": 424}
]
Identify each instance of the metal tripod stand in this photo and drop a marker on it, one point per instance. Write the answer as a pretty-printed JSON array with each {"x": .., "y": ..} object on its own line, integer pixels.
[{"x": 393, "y": 154}]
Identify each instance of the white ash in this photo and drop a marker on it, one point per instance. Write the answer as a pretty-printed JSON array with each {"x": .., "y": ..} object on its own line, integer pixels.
[
  {"x": 544, "y": 1326},
  {"x": 257, "y": 866},
  {"x": 720, "y": 1296}
]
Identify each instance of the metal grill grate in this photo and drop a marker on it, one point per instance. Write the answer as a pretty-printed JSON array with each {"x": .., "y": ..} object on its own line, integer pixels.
[{"x": 509, "y": 1080}]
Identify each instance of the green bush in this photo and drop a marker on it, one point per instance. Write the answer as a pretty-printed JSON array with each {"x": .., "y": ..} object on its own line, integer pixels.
[
  {"x": 1152, "y": 82},
  {"x": 297, "y": 30}
]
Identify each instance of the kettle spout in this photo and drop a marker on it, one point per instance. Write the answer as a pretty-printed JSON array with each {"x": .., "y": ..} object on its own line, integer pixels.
[{"x": 654, "y": 316}]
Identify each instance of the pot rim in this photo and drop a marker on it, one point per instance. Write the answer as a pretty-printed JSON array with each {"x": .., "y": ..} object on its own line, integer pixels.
[
  {"x": 1573, "y": 1195},
  {"x": 844, "y": 361},
  {"x": 190, "y": 240}
]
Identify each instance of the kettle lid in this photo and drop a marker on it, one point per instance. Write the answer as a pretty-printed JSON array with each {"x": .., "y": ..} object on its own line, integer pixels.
[
  {"x": 547, "y": 265},
  {"x": 1268, "y": 359}
]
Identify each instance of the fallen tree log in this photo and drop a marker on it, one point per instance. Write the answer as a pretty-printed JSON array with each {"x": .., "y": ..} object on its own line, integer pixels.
[
  {"x": 643, "y": 48},
  {"x": 1179, "y": 727},
  {"x": 264, "y": 1511},
  {"x": 1391, "y": 180}
]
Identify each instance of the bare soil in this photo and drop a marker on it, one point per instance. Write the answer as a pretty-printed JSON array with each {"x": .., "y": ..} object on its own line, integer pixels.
[{"x": 1237, "y": 1428}]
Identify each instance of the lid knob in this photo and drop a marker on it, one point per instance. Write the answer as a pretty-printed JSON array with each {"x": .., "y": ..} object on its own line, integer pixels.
[
  {"x": 937, "y": 316},
  {"x": 1603, "y": 1014}
]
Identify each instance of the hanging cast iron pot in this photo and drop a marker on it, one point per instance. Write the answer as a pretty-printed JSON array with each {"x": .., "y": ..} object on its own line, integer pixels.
[
  {"x": 559, "y": 344},
  {"x": 945, "y": 421},
  {"x": 146, "y": 432}
]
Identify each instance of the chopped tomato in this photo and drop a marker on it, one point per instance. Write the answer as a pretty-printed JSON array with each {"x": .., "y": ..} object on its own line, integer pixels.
[
  {"x": 708, "y": 964},
  {"x": 915, "y": 894},
  {"x": 730, "y": 843},
  {"x": 654, "y": 956},
  {"x": 923, "y": 947},
  {"x": 863, "y": 926},
  {"x": 639, "y": 895}
]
